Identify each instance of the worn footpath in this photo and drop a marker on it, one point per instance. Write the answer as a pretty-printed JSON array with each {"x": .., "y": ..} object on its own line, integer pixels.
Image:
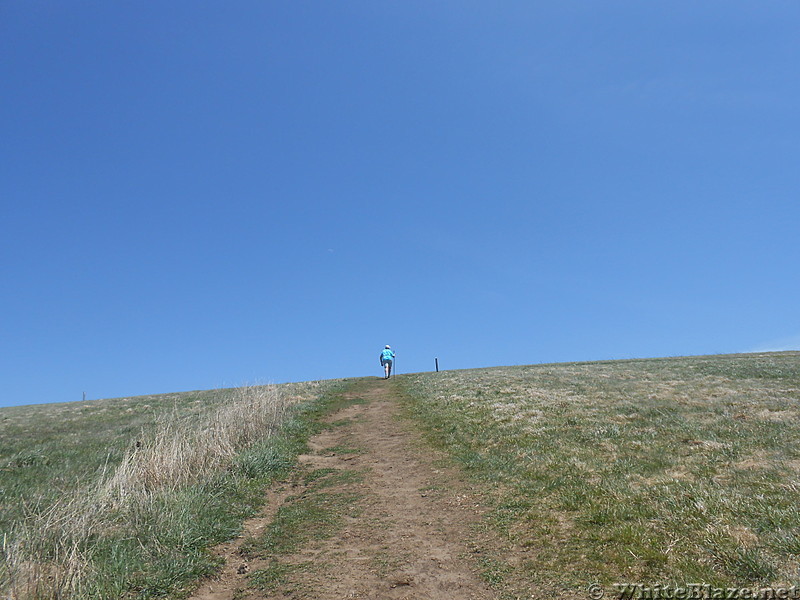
[{"x": 398, "y": 524}]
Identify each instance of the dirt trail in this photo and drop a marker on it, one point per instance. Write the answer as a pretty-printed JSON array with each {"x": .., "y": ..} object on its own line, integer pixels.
[{"x": 411, "y": 537}]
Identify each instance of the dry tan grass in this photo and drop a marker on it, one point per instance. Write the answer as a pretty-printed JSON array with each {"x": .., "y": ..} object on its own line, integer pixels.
[
  {"x": 174, "y": 457},
  {"x": 667, "y": 469},
  {"x": 49, "y": 554}
]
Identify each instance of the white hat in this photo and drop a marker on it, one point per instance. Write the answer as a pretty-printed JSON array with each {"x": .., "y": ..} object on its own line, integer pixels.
[{"x": 388, "y": 346}]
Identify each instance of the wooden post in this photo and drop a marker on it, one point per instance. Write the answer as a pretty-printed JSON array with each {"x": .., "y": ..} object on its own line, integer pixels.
[{"x": 437, "y": 364}]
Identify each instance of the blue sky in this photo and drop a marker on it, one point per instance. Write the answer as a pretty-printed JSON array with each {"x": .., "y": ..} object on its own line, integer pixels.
[{"x": 206, "y": 194}]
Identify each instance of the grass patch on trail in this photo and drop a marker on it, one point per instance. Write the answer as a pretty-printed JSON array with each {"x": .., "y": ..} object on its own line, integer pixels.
[
  {"x": 665, "y": 471},
  {"x": 123, "y": 498},
  {"x": 316, "y": 513}
]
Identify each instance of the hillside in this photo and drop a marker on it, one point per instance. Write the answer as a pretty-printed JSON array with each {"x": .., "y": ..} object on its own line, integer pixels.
[
  {"x": 48, "y": 450},
  {"x": 118, "y": 497},
  {"x": 664, "y": 471},
  {"x": 532, "y": 481}
]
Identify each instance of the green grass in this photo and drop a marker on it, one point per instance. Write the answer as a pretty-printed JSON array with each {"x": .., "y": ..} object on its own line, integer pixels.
[
  {"x": 49, "y": 450},
  {"x": 146, "y": 543},
  {"x": 654, "y": 471},
  {"x": 52, "y": 449},
  {"x": 316, "y": 513},
  {"x": 666, "y": 470}
]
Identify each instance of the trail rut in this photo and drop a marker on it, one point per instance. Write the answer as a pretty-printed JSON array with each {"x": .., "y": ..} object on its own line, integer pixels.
[{"x": 411, "y": 538}]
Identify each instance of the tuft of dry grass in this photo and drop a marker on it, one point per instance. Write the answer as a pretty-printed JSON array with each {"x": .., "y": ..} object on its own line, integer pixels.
[
  {"x": 54, "y": 551},
  {"x": 174, "y": 457}
]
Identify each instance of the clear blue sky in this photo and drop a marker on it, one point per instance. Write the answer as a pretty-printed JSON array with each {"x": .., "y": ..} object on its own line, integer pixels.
[{"x": 203, "y": 194}]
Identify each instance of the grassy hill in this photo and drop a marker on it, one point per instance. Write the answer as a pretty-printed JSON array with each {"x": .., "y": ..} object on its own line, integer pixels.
[
  {"x": 668, "y": 471},
  {"x": 671, "y": 470},
  {"x": 122, "y": 497},
  {"x": 49, "y": 450}
]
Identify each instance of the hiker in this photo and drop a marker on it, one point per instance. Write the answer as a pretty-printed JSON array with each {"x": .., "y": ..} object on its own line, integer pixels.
[{"x": 387, "y": 356}]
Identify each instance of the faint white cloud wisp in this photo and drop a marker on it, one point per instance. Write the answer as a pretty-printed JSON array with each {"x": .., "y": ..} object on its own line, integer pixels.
[{"x": 781, "y": 345}]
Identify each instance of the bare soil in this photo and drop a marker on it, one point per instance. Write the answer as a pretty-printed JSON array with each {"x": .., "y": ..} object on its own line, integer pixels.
[{"x": 415, "y": 532}]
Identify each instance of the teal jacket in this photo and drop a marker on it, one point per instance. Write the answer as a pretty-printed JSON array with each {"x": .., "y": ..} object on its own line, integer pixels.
[{"x": 387, "y": 355}]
